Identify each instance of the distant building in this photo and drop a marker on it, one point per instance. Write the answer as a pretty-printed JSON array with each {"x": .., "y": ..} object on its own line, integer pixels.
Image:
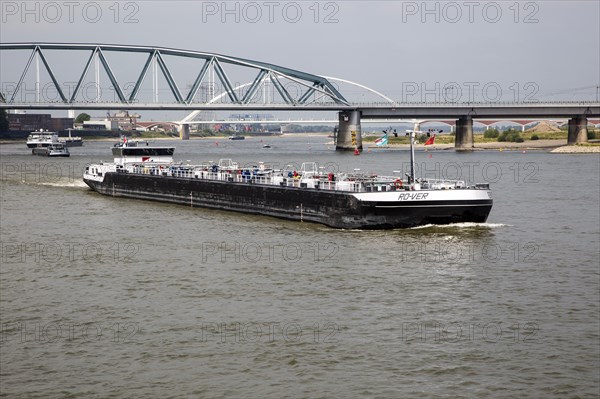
[
  {"x": 103, "y": 124},
  {"x": 125, "y": 120},
  {"x": 157, "y": 127},
  {"x": 31, "y": 122},
  {"x": 121, "y": 120},
  {"x": 61, "y": 124}
]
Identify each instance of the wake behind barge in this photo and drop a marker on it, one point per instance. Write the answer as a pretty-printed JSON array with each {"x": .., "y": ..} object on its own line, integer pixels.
[{"x": 352, "y": 201}]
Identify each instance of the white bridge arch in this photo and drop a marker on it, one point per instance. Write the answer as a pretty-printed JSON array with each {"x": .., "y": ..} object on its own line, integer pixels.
[{"x": 190, "y": 117}]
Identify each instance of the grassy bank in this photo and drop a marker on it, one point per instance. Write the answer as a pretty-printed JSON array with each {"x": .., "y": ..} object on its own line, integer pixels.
[{"x": 477, "y": 138}]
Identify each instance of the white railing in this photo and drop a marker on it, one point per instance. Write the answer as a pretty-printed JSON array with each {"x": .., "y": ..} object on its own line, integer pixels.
[
  {"x": 264, "y": 178},
  {"x": 279, "y": 178},
  {"x": 441, "y": 184}
]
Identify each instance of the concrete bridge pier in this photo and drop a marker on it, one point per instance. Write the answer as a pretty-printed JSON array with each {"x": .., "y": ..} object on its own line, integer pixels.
[
  {"x": 577, "y": 130},
  {"x": 184, "y": 132},
  {"x": 464, "y": 134},
  {"x": 349, "y": 134}
]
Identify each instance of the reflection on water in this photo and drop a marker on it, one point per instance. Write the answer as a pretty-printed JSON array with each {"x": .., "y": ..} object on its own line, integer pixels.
[{"x": 118, "y": 298}]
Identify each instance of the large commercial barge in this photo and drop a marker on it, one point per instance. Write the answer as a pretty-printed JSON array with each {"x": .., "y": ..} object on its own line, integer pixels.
[{"x": 341, "y": 200}]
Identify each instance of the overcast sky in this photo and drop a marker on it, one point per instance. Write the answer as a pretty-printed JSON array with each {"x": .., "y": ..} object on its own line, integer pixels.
[{"x": 542, "y": 49}]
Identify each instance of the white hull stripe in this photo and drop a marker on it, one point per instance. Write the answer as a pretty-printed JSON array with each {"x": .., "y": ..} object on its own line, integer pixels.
[{"x": 429, "y": 206}]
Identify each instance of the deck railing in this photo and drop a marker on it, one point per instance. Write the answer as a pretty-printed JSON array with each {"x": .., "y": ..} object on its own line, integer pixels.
[{"x": 281, "y": 178}]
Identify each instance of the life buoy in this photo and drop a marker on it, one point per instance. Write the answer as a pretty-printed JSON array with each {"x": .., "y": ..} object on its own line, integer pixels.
[{"x": 398, "y": 183}]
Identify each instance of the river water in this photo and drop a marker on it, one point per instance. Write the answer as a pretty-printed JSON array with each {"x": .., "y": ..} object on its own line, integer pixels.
[{"x": 119, "y": 298}]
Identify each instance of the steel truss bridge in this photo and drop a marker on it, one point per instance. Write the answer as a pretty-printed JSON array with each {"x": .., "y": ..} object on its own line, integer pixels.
[
  {"x": 269, "y": 87},
  {"x": 209, "y": 70},
  {"x": 209, "y": 87}
]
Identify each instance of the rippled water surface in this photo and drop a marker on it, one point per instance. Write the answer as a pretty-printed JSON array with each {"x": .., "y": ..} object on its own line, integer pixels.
[{"x": 119, "y": 298}]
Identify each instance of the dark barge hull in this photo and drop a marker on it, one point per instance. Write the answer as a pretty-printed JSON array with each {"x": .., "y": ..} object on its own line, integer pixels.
[
  {"x": 332, "y": 208},
  {"x": 73, "y": 143}
]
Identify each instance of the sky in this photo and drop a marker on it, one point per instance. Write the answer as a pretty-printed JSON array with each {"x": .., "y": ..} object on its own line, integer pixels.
[{"x": 408, "y": 50}]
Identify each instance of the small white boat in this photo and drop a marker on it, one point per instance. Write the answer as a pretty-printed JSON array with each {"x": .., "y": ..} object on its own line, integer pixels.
[
  {"x": 52, "y": 150},
  {"x": 266, "y": 146}
]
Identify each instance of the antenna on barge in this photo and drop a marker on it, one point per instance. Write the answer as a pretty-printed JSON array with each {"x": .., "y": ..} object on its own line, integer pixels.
[{"x": 411, "y": 134}]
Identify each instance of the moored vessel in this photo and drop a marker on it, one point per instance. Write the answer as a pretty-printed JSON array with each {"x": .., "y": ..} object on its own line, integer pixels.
[
  {"x": 41, "y": 139},
  {"x": 46, "y": 138},
  {"x": 71, "y": 141}
]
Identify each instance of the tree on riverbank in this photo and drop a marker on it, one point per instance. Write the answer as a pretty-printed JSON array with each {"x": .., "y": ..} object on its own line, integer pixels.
[
  {"x": 82, "y": 118},
  {"x": 511, "y": 135}
]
